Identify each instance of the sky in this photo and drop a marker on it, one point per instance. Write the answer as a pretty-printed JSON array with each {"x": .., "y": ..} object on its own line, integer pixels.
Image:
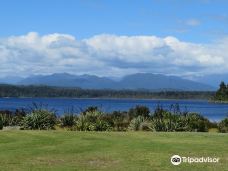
[{"x": 113, "y": 37}]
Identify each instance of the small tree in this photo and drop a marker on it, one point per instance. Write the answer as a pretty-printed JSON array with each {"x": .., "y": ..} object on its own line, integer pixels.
[
  {"x": 222, "y": 86},
  {"x": 222, "y": 93}
]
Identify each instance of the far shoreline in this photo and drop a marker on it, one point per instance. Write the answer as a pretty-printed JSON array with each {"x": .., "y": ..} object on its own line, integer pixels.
[{"x": 109, "y": 98}]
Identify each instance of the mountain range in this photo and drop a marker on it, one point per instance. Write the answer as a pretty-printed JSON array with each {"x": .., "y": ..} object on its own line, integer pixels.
[
  {"x": 139, "y": 81},
  {"x": 212, "y": 79}
]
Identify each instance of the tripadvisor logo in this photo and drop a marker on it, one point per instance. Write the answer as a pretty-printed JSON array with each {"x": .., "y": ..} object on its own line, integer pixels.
[{"x": 176, "y": 160}]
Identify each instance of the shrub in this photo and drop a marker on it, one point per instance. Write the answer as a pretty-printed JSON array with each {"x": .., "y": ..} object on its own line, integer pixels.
[
  {"x": 197, "y": 123},
  {"x": 39, "y": 119},
  {"x": 118, "y": 120},
  {"x": 176, "y": 120},
  {"x": 7, "y": 118},
  {"x": 67, "y": 120},
  {"x": 1, "y": 123},
  {"x": 92, "y": 121},
  {"x": 223, "y": 126},
  {"x": 10, "y": 118},
  {"x": 139, "y": 111},
  {"x": 140, "y": 124},
  {"x": 18, "y": 117},
  {"x": 163, "y": 120}
]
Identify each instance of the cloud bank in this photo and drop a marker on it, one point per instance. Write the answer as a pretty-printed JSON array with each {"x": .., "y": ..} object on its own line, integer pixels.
[{"x": 109, "y": 55}]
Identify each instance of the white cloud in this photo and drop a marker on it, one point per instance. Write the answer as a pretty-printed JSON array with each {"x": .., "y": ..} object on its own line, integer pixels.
[{"x": 109, "y": 55}]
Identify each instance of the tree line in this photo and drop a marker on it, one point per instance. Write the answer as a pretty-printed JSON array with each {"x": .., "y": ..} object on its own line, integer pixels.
[{"x": 48, "y": 91}]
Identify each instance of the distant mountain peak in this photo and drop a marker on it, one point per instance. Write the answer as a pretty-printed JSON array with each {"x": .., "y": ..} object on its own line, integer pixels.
[{"x": 145, "y": 81}]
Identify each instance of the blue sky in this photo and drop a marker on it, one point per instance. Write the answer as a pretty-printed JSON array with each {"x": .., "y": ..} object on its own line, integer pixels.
[
  {"x": 85, "y": 18},
  {"x": 178, "y": 37}
]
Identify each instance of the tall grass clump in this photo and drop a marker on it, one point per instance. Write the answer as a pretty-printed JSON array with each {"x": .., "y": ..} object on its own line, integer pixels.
[
  {"x": 92, "y": 121},
  {"x": 39, "y": 119},
  {"x": 140, "y": 124}
]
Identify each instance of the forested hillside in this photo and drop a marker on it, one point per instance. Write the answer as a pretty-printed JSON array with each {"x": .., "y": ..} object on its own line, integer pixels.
[{"x": 48, "y": 91}]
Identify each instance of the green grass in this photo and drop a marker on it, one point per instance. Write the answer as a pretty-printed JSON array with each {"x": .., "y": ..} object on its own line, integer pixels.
[{"x": 66, "y": 150}]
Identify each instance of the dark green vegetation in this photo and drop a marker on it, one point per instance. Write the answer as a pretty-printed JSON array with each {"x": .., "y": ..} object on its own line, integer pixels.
[
  {"x": 1, "y": 123},
  {"x": 48, "y": 91},
  {"x": 222, "y": 93},
  {"x": 223, "y": 125},
  {"x": 138, "y": 118},
  {"x": 39, "y": 119},
  {"x": 122, "y": 151}
]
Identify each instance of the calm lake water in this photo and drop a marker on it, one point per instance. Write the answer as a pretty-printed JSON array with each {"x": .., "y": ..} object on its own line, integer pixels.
[{"x": 212, "y": 111}]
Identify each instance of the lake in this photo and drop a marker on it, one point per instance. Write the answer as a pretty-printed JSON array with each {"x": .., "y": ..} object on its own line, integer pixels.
[{"x": 213, "y": 111}]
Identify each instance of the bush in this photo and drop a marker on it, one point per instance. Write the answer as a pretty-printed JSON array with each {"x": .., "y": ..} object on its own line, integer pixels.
[
  {"x": 140, "y": 124},
  {"x": 164, "y": 120},
  {"x": 139, "y": 111},
  {"x": 10, "y": 118},
  {"x": 18, "y": 117},
  {"x": 1, "y": 123},
  {"x": 7, "y": 118},
  {"x": 39, "y": 119},
  {"x": 118, "y": 120},
  {"x": 197, "y": 123},
  {"x": 176, "y": 120},
  {"x": 67, "y": 120},
  {"x": 92, "y": 121},
  {"x": 223, "y": 126}
]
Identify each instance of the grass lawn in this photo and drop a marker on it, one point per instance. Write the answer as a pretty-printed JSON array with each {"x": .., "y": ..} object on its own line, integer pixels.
[{"x": 66, "y": 150}]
